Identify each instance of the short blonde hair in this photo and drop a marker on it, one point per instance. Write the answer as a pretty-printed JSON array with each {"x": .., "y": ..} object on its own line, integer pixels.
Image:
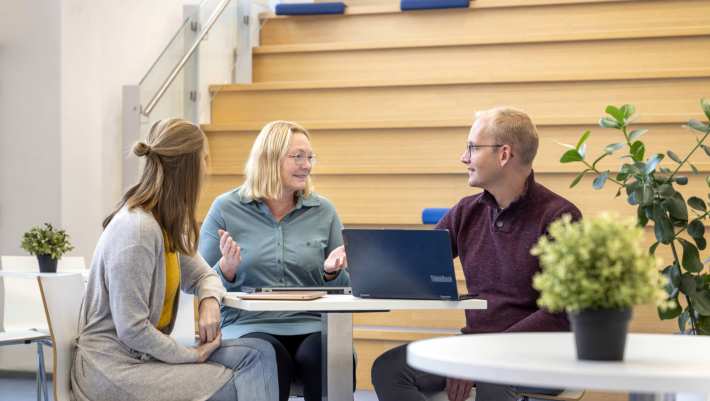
[
  {"x": 512, "y": 127},
  {"x": 263, "y": 168}
]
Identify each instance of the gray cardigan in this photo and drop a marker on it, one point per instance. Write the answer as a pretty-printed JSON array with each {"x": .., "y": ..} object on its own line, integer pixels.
[{"x": 120, "y": 354}]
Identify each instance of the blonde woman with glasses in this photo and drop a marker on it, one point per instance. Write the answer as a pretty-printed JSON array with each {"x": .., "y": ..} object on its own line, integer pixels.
[
  {"x": 274, "y": 231},
  {"x": 146, "y": 254}
]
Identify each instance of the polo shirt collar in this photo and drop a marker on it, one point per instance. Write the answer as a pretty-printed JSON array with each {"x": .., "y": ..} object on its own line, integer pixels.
[
  {"x": 524, "y": 198},
  {"x": 301, "y": 201}
]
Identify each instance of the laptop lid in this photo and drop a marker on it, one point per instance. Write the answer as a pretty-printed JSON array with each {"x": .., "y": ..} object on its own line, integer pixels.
[{"x": 410, "y": 264}]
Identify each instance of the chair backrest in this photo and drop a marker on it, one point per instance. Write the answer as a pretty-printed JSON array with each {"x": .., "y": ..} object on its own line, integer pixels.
[
  {"x": 62, "y": 294},
  {"x": 432, "y": 215}
]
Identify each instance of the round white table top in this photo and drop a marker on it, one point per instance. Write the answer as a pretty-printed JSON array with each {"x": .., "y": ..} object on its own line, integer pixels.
[
  {"x": 653, "y": 363},
  {"x": 18, "y": 274}
]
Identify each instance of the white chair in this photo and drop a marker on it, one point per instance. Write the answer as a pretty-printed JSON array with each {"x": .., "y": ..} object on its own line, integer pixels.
[
  {"x": 27, "y": 324},
  {"x": 62, "y": 295}
]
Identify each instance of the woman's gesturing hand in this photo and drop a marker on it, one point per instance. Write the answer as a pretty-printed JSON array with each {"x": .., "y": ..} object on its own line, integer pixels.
[{"x": 231, "y": 255}]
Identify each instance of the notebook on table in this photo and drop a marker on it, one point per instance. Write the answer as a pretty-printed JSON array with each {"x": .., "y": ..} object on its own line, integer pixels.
[{"x": 284, "y": 295}]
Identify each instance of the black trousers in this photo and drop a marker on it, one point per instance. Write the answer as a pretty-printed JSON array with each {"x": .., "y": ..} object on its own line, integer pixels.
[
  {"x": 394, "y": 380},
  {"x": 298, "y": 357}
]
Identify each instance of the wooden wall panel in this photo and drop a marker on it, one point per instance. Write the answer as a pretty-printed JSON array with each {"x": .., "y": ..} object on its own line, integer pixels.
[
  {"x": 494, "y": 63},
  {"x": 437, "y": 150},
  {"x": 534, "y": 23},
  {"x": 571, "y": 102}
]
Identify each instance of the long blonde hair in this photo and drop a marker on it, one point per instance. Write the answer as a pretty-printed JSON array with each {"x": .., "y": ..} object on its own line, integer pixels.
[
  {"x": 263, "y": 168},
  {"x": 170, "y": 184}
]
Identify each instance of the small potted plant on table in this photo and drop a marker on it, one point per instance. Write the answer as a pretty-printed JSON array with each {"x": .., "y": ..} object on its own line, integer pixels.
[
  {"x": 596, "y": 270},
  {"x": 48, "y": 244}
]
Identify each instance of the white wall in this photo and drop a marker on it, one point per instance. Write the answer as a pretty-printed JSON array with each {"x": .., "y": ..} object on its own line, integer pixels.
[{"x": 62, "y": 65}]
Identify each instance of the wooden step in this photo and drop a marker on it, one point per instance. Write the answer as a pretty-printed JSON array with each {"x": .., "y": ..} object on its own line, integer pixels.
[
  {"x": 399, "y": 199},
  {"x": 564, "y": 61},
  {"x": 437, "y": 150},
  {"x": 605, "y": 19},
  {"x": 671, "y": 100}
]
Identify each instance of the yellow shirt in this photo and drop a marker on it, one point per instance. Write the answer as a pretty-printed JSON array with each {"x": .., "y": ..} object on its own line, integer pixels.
[{"x": 172, "y": 285}]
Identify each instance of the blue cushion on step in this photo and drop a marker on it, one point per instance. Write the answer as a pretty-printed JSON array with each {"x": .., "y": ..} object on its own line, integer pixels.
[
  {"x": 310, "y": 8},
  {"x": 429, "y": 4},
  {"x": 432, "y": 215}
]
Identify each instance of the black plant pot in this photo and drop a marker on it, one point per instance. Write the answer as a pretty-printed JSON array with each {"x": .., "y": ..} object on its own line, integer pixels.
[
  {"x": 47, "y": 264},
  {"x": 600, "y": 335}
]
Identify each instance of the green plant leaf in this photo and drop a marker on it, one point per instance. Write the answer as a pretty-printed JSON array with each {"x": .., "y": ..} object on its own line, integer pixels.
[
  {"x": 706, "y": 148},
  {"x": 613, "y": 147},
  {"x": 673, "y": 156},
  {"x": 583, "y": 139},
  {"x": 663, "y": 229},
  {"x": 636, "y": 134},
  {"x": 600, "y": 180},
  {"x": 695, "y": 169},
  {"x": 641, "y": 217},
  {"x": 570, "y": 156},
  {"x": 637, "y": 150},
  {"x": 676, "y": 207},
  {"x": 578, "y": 178},
  {"x": 703, "y": 325},
  {"x": 700, "y": 242},
  {"x": 697, "y": 204},
  {"x": 681, "y": 180},
  {"x": 691, "y": 257},
  {"x": 672, "y": 274},
  {"x": 699, "y": 297},
  {"x": 705, "y": 104},
  {"x": 696, "y": 228},
  {"x": 627, "y": 111},
  {"x": 670, "y": 313},
  {"x": 652, "y": 163},
  {"x": 652, "y": 249},
  {"x": 616, "y": 113},
  {"x": 606, "y": 122},
  {"x": 666, "y": 190},
  {"x": 699, "y": 126}
]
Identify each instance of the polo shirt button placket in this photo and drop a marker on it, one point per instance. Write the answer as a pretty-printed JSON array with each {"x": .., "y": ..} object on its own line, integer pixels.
[{"x": 499, "y": 224}]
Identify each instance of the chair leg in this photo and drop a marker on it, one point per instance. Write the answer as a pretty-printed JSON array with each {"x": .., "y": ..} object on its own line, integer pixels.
[
  {"x": 39, "y": 373},
  {"x": 42, "y": 373}
]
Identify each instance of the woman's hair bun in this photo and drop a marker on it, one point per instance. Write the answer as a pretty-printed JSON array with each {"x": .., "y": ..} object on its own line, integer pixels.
[{"x": 141, "y": 149}]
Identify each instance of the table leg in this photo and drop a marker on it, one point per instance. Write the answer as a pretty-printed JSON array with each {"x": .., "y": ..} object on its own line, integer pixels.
[{"x": 337, "y": 343}]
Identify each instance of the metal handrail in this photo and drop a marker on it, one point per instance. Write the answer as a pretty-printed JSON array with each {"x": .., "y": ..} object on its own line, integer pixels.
[{"x": 178, "y": 67}]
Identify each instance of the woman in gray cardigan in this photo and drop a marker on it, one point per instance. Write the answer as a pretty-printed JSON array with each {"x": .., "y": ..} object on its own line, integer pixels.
[{"x": 146, "y": 253}]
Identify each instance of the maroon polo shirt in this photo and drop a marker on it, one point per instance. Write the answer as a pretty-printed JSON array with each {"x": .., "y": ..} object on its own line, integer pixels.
[{"x": 494, "y": 248}]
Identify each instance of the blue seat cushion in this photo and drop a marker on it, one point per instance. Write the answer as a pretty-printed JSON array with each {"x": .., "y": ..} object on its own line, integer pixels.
[
  {"x": 432, "y": 215},
  {"x": 310, "y": 8},
  {"x": 430, "y": 4}
]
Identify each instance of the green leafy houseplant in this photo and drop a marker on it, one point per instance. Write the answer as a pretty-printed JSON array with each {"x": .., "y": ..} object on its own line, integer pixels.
[
  {"x": 46, "y": 241},
  {"x": 652, "y": 188},
  {"x": 596, "y": 270},
  {"x": 597, "y": 263}
]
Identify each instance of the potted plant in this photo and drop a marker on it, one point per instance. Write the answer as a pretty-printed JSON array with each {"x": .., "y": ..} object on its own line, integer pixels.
[
  {"x": 48, "y": 244},
  {"x": 596, "y": 270},
  {"x": 652, "y": 187}
]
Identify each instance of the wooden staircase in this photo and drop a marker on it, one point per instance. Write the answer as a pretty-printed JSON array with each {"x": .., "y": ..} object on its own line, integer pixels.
[{"x": 389, "y": 98}]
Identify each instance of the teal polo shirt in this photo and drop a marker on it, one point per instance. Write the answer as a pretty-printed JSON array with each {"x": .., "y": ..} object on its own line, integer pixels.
[{"x": 286, "y": 253}]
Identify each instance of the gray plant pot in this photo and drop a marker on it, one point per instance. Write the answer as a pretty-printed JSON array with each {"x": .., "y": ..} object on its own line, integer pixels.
[
  {"x": 47, "y": 264},
  {"x": 600, "y": 335}
]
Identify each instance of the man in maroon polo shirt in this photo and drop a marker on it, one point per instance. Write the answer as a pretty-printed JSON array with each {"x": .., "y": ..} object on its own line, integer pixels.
[{"x": 491, "y": 233}]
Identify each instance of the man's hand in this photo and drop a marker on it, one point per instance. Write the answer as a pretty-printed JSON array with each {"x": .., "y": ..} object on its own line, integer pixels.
[
  {"x": 208, "y": 320},
  {"x": 458, "y": 390},
  {"x": 336, "y": 261},
  {"x": 205, "y": 350},
  {"x": 231, "y": 255}
]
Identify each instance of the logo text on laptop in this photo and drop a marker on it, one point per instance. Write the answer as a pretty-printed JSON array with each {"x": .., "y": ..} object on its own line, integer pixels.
[{"x": 441, "y": 279}]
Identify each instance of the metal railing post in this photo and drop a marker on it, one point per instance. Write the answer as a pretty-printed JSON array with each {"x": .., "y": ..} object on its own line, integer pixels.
[
  {"x": 243, "y": 62},
  {"x": 131, "y": 131},
  {"x": 191, "y": 70}
]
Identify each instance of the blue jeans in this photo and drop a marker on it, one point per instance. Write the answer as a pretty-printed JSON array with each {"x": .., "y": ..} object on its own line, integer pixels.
[{"x": 254, "y": 364}]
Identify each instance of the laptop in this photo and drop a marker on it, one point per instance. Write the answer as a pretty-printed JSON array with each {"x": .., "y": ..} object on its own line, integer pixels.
[{"x": 402, "y": 264}]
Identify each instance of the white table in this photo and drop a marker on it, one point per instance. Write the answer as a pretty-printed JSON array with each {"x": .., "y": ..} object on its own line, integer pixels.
[
  {"x": 654, "y": 364},
  {"x": 337, "y": 328}
]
